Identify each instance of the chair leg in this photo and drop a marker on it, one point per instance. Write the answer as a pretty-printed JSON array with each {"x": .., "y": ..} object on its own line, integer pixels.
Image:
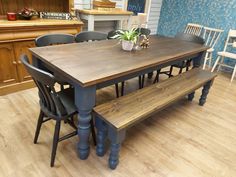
[
  {"x": 55, "y": 141},
  {"x": 143, "y": 79},
  {"x": 93, "y": 132},
  {"x": 220, "y": 62},
  {"x": 150, "y": 75},
  {"x": 156, "y": 80},
  {"x": 39, "y": 124},
  {"x": 188, "y": 64},
  {"x": 122, "y": 88},
  {"x": 205, "y": 60},
  {"x": 171, "y": 70},
  {"x": 210, "y": 60},
  {"x": 233, "y": 74},
  {"x": 215, "y": 64},
  {"x": 180, "y": 70},
  {"x": 140, "y": 81},
  {"x": 117, "y": 90}
]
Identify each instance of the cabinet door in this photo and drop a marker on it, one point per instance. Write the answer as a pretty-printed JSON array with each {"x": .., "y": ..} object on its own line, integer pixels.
[
  {"x": 8, "y": 68},
  {"x": 23, "y": 48}
]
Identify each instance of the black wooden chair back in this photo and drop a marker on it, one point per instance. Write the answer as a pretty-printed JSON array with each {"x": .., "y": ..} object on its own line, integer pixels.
[
  {"x": 49, "y": 100},
  {"x": 54, "y": 39},
  {"x": 143, "y": 31},
  {"x": 112, "y": 33},
  {"x": 190, "y": 38},
  {"x": 90, "y": 36}
]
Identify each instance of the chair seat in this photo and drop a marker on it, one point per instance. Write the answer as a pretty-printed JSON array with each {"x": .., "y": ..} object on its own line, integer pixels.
[
  {"x": 227, "y": 54},
  {"x": 67, "y": 99}
]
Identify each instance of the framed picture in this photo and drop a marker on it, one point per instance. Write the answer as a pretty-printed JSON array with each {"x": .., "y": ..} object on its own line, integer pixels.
[{"x": 136, "y": 6}]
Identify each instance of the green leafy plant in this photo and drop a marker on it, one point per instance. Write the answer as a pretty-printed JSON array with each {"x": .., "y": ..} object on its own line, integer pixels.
[{"x": 129, "y": 35}]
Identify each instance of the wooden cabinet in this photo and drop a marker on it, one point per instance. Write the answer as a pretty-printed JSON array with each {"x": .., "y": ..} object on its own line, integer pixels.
[
  {"x": 22, "y": 48},
  {"x": 8, "y": 65},
  {"x": 16, "y": 37}
]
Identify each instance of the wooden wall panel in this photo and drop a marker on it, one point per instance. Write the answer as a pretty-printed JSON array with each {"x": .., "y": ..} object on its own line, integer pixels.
[{"x": 42, "y": 5}]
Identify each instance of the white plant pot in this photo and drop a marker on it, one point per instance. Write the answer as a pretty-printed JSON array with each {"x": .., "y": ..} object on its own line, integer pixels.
[{"x": 127, "y": 45}]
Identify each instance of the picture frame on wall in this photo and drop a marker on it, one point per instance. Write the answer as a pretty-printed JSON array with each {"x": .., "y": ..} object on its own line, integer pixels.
[{"x": 136, "y": 6}]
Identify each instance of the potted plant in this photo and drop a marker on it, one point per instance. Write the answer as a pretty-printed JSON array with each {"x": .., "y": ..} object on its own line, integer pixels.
[{"x": 128, "y": 38}]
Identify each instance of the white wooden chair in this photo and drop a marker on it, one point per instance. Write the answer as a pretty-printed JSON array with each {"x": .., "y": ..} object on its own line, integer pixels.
[
  {"x": 229, "y": 44},
  {"x": 211, "y": 37},
  {"x": 194, "y": 29}
]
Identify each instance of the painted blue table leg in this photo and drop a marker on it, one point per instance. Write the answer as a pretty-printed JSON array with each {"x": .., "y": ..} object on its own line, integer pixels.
[
  {"x": 101, "y": 136},
  {"x": 85, "y": 101},
  {"x": 116, "y": 138},
  {"x": 191, "y": 96},
  {"x": 205, "y": 92}
]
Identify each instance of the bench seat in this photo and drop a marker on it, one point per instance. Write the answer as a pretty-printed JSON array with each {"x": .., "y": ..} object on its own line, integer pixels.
[{"x": 117, "y": 115}]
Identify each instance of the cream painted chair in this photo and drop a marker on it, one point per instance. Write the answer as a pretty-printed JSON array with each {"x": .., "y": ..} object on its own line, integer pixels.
[
  {"x": 230, "y": 43},
  {"x": 194, "y": 29},
  {"x": 211, "y": 37}
]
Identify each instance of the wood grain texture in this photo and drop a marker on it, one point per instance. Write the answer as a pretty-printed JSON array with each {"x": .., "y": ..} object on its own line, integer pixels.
[
  {"x": 132, "y": 108},
  {"x": 184, "y": 140},
  {"x": 42, "y": 5},
  {"x": 96, "y": 62},
  {"x": 105, "y": 12},
  {"x": 15, "y": 39},
  {"x": 5, "y": 24}
]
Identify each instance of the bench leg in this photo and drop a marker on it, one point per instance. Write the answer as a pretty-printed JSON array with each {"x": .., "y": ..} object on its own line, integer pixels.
[
  {"x": 101, "y": 136},
  {"x": 116, "y": 138},
  {"x": 205, "y": 92},
  {"x": 191, "y": 96}
]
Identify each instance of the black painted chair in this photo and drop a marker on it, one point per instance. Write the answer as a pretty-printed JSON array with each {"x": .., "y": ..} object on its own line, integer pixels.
[
  {"x": 184, "y": 64},
  {"x": 90, "y": 36},
  {"x": 55, "y": 39},
  {"x": 54, "y": 105},
  {"x": 143, "y": 31}
]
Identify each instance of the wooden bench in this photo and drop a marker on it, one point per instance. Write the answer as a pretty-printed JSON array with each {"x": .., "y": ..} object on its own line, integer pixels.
[{"x": 115, "y": 117}]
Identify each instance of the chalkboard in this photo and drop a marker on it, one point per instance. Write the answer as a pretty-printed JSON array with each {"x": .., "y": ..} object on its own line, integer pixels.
[{"x": 136, "y": 6}]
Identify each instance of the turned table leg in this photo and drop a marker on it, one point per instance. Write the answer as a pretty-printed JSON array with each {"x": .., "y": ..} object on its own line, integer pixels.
[
  {"x": 205, "y": 92},
  {"x": 85, "y": 101}
]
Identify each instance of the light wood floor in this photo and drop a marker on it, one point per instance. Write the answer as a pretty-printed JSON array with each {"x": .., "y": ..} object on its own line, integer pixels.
[{"x": 184, "y": 140}]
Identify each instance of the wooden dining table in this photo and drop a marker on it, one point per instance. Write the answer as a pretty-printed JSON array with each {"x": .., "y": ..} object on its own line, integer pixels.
[{"x": 92, "y": 65}]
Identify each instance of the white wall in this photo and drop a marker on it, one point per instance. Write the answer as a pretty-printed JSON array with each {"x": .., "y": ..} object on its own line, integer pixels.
[{"x": 154, "y": 15}]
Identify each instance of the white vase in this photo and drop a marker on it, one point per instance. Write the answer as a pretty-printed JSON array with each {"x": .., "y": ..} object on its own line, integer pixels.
[{"x": 127, "y": 45}]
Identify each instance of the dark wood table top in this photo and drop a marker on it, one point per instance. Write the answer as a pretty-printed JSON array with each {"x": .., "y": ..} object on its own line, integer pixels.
[{"x": 92, "y": 63}]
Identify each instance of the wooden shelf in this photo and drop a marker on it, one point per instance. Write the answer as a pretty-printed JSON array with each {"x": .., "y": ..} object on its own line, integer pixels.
[{"x": 16, "y": 37}]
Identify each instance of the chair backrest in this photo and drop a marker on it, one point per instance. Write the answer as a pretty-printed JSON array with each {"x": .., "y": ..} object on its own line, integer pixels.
[
  {"x": 231, "y": 39},
  {"x": 90, "y": 36},
  {"x": 211, "y": 36},
  {"x": 112, "y": 33},
  {"x": 54, "y": 39},
  {"x": 190, "y": 38},
  {"x": 194, "y": 29},
  {"x": 49, "y": 100},
  {"x": 144, "y": 31}
]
